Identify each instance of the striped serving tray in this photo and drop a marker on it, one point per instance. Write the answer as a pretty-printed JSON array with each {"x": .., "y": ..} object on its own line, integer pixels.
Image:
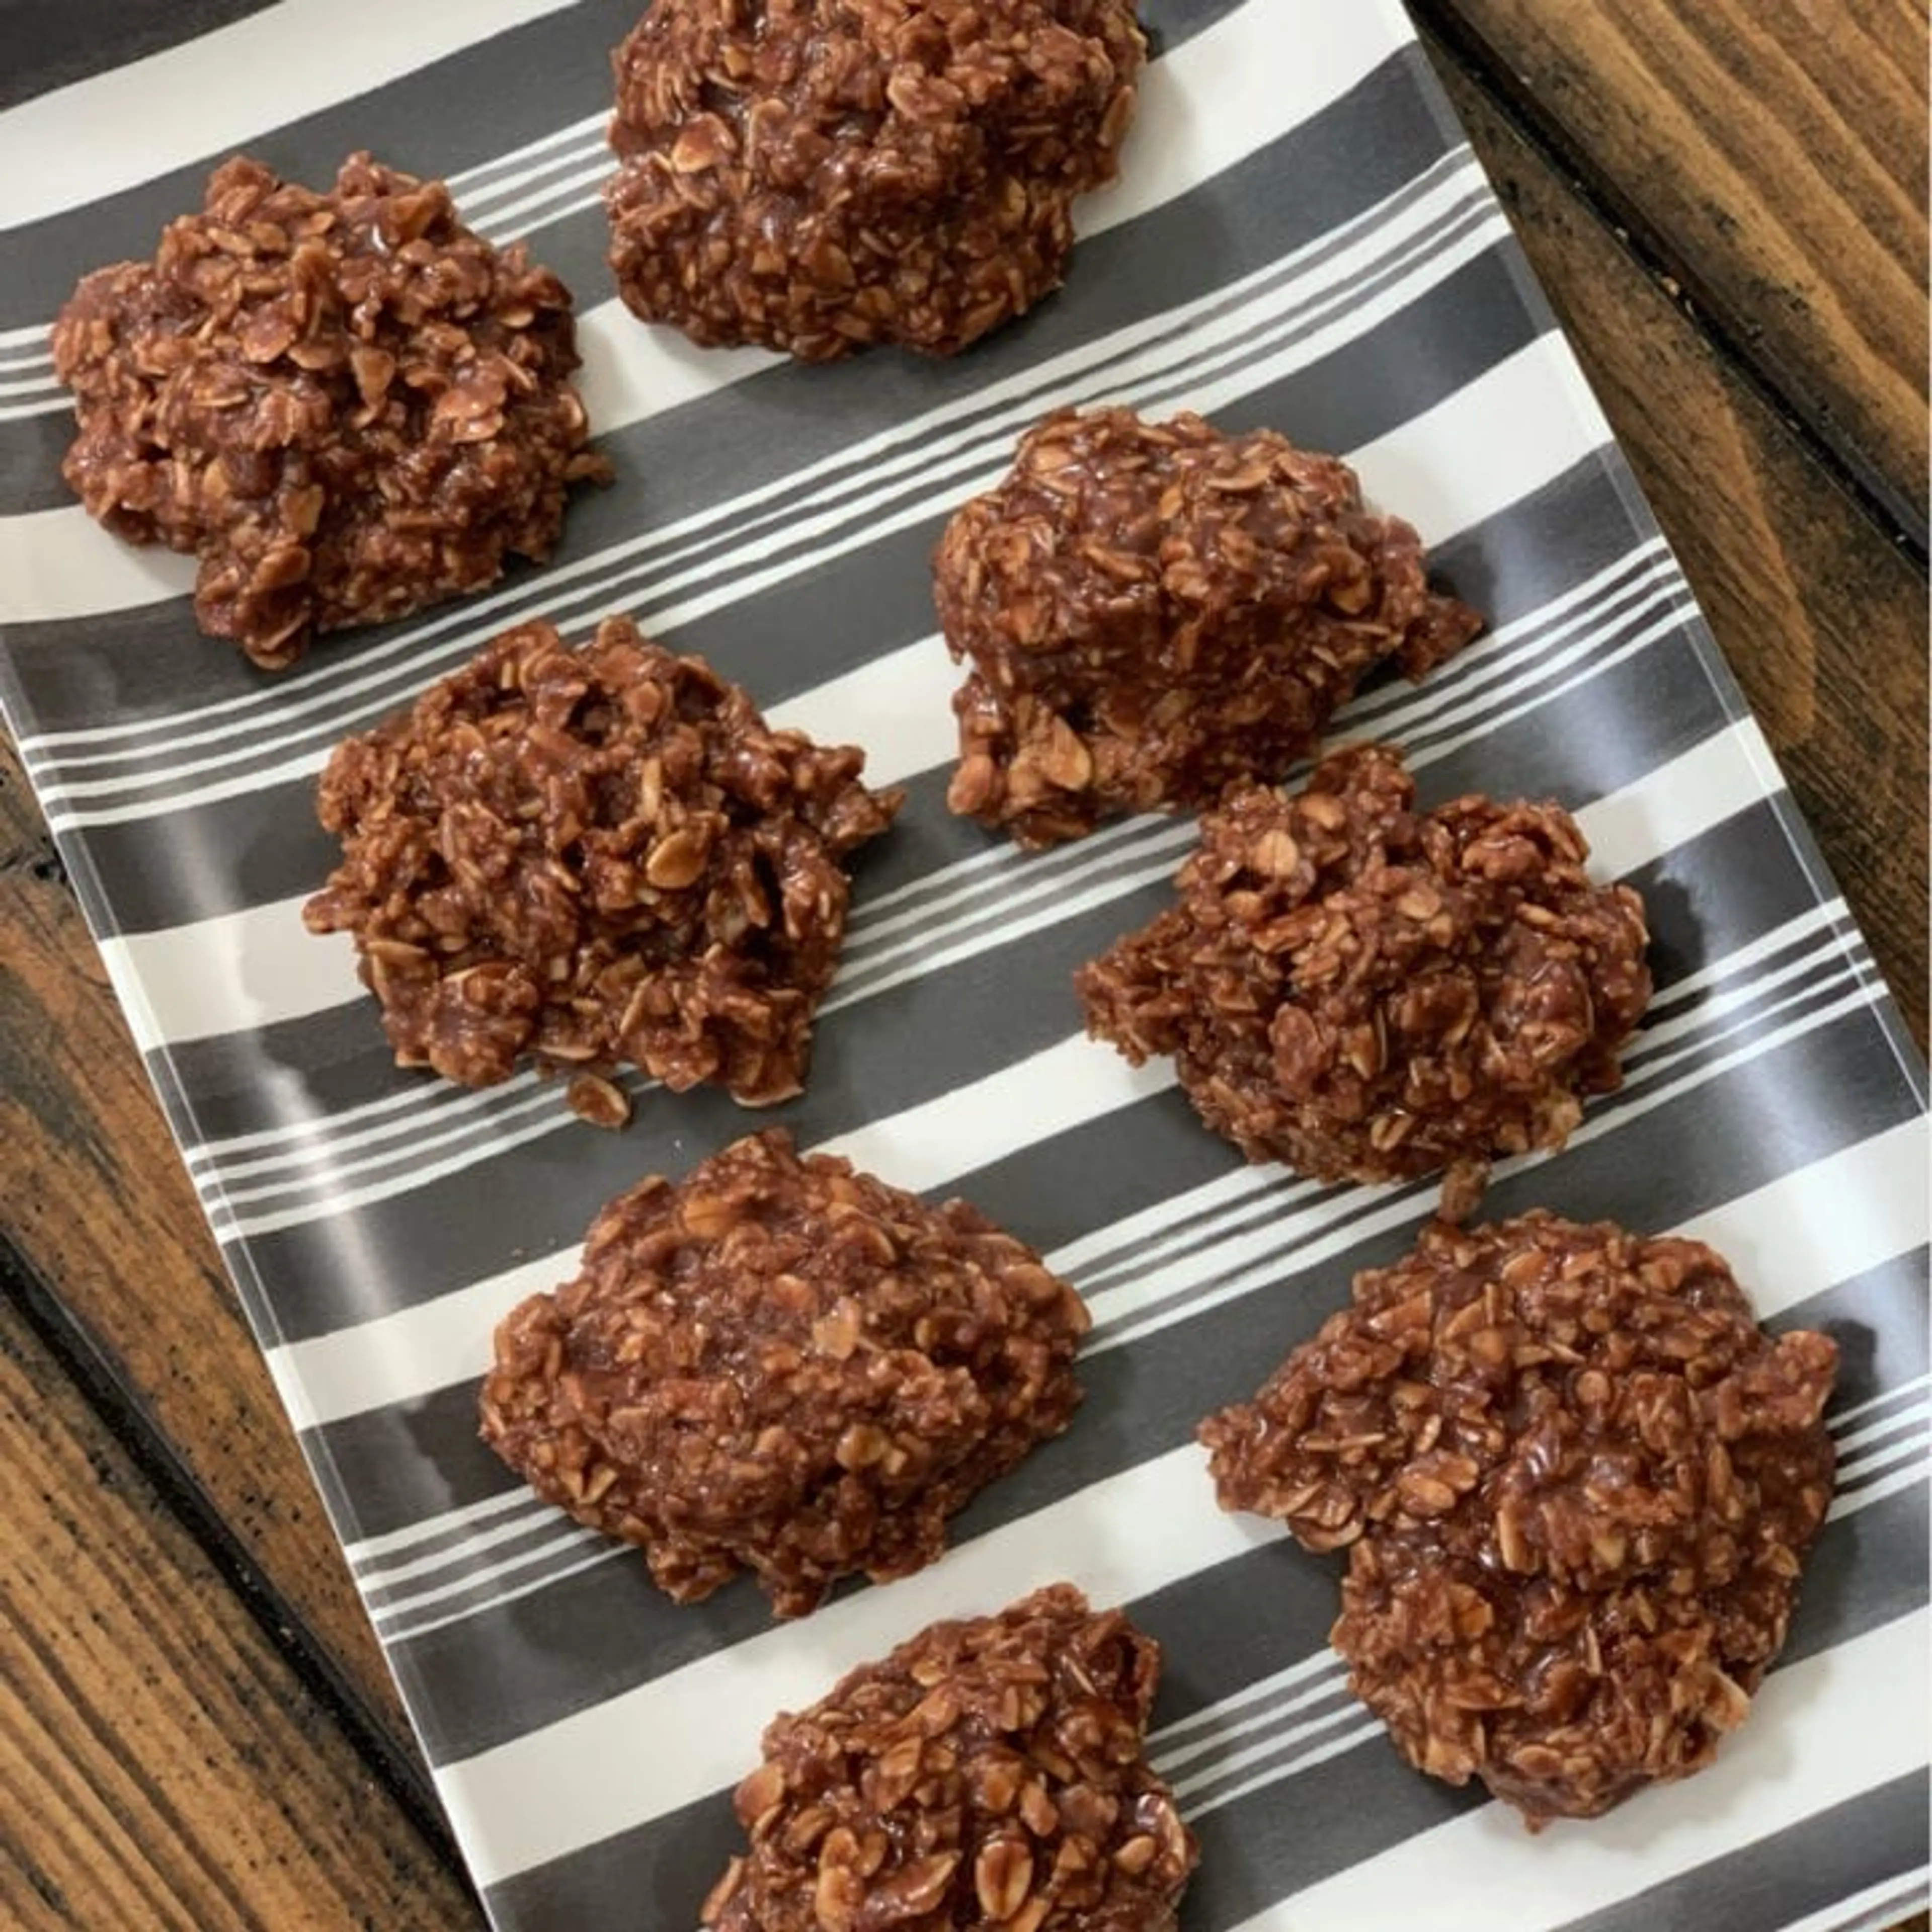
[{"x": 1301, "y": 239}]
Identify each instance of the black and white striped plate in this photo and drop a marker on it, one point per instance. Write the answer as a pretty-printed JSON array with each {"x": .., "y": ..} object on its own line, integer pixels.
[{"x": 1301, "y": 239}]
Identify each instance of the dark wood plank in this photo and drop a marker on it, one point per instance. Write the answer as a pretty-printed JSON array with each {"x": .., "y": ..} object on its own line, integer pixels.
[
  {"x": 1772, "y": 154},
  {"x": 160, "y": 1767},
  {"x": 1821, "y": 617},
  {"x": 95, "y": 1198}
]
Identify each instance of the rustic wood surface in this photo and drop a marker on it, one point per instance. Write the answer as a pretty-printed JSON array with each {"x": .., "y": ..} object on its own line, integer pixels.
[
  {"x": 160, "y": 1765},
  {"x": 1769, "y": 156},
  {"x": 1726, "y": 205}
]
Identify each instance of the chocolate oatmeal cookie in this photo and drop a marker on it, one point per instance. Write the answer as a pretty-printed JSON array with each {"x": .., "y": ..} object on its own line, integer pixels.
[
  {"x": 783, "y": 1365},
  {"x": 1153, "y": 610},
  {"x": 816, "y": 176},
  {"x": 346, "y": 405},
  {"x": 593, "y": 857},
  {"x": 988, "y": 1773},
  {"x": 1367, "y": 992},
  {"x": 1576, "y": 1480}
]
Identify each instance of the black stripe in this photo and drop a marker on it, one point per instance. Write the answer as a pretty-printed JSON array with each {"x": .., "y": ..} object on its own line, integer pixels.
[
  {"x": 524, "y": 85},
  {"x": 346, "y": 1064},
  {"x": 1219, "y": 1630},
  {"x": 1879, "y": 1320},
  {"x": 790, "y": 637},
  {"x": 1142, "y": 1399},
  {"x": 32, "y": 449},
  {"x": 444, "y": 1233},
  {"x": 514, "y": 88},
  {"x": 51, "y": 43},
  {"x": 200, "y": 861},
  {"x": 1030, "y": 1190},
  {"x": 688, "y": 459},
  {"x": 1807, "y": 1867}
]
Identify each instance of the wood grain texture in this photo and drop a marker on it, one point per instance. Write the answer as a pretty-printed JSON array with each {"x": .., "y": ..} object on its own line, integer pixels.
[
  {"x": 1773, "y": 154},
  {"x": 160, "y": 1767},
  {"x": 95, "y": 1199},
  {"x": 1819, "y": 614}
]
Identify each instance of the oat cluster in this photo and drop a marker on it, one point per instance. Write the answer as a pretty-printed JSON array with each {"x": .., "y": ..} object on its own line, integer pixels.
[
  {"x": 1366, "y": 992},
  {"x": 347, "y": 405},
  {"x": 816, "y": 176},
  {"x": 592, "y": 857},
  {"x": 1151, "y": 611},
  {"x": 1576, "y": 1481},
  {"x": 989, "y": 1773},
  {"x": 783, "y": 1365}
]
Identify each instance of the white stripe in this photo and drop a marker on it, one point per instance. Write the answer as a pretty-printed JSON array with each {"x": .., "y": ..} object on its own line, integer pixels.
[
  {"x": 527, "y": 1118},
  {"x": 219, "y": 90},
  {"x": 1814, "y": 919},
  {"x": 329, "y": 1377},
  {"x": 424, "y": 1625},
  {"x": 59, "y": 564},
  {"x": 1838, "y": 1219},
  {"x": 1797, "y": 1756},
  {"x": 1882, "y": 1399},
  {"x": 551, "y": 202},
  {"x": 1910, "y": 1476},
  {"x": 561, "y": 168},
  {"x": 1680, "y": 800},
  {"x": 898, "y": 706},
  {"x": 600, "y": 1771},
  {"x": 1866, "y": 1468},
  {"x": 30, "y": 337},
  {"x": 1878, "y": 1431},
  {"x": 1175, "y": 1743},
  {"x": 1779, "y": 1211},
  {"x": 1123, "y": 1247},
  {"x": 1783, "y": 1247},
  {"x": 361, "y": 1551},
  {"x": 1330, "y": 1683},
  {"x": 1644, "y": 579},
  {"x": 1884, "y": 1904},
  {"x": 1338, "y": 1745},
  {"x": 901, "y": 469},
  {"x": 999, "y": 874},
  {"x": 372, "y": 1577},
  {"x": 990, "y": 885},
  {"x": 256, "y": 967},
  {"x": 571, "y": 1539},
  {"x": 631, "y": 373},
  {"x": 1285, "y": 1752},
  {"x": 473, "y": 187}
]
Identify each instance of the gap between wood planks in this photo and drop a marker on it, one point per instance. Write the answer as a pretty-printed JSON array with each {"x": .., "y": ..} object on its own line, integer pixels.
[
  {"x": 1448, "y": 36},
  {"x": 125, "y": 1419}
]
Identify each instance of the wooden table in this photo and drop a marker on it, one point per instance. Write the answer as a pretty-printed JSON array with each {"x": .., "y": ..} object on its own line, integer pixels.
[{"x": 1727, "y": 203}]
